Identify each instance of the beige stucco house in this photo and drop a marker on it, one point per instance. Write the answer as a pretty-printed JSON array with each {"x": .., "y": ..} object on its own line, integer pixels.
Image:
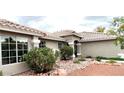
[{"x": 16, "y": 40}]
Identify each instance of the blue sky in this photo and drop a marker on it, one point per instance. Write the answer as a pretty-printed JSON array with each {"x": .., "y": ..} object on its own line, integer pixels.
[{"x": 57, "y": 23}]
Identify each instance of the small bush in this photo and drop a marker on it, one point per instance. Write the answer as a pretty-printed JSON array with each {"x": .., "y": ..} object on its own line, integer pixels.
[
  {"x": 1, "y": 73},
  {"x": 116, "y": 58},
  {"x": 98, "y": 58},
  {"x": 40, "y": 59},
  {"x": 111, "y": 61},
  {"x": 66, "y": 52},
  {"x": 88, "y": 56},
  {"x": 111, "y": 58}
]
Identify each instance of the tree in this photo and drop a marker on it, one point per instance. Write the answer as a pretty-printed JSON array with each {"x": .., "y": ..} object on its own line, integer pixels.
[
  {"x": 117, "y": 28},
  {"x": 111, "y": 31},
  {"x": 100, "y": 29}
]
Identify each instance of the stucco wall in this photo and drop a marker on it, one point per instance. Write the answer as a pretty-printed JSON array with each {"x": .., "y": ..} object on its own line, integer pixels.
[
  {"x": 12, "y": 69},
  {"x": 75, "y": 38},
  {"x": 52, "y": 44},
  {"x": 102, "y": 48},
  {"x": 71, "y": 38}
]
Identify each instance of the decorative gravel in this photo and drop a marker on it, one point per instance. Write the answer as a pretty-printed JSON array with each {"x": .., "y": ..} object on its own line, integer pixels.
[{"x": 68, "y": 66}]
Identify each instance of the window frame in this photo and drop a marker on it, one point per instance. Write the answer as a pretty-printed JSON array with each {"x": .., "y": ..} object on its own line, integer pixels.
[{"x": 15, "y": 49}]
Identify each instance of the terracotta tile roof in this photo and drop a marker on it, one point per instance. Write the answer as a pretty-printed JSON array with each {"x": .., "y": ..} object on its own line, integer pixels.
[
  {"x": 66, "y": 33},
  {"x": 86, "y": 36},
  {"x": 14, "y": 27},
  {"x": 95, "y": 36}
]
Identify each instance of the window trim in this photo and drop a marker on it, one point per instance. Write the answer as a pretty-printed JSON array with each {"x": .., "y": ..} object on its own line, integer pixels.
[{"x": 16, "y": 56}]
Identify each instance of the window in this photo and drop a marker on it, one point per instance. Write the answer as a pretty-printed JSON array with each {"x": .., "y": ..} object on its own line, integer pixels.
[
  {"x": 42, "y": 44},
  {"x": 22, "y": 48},
  {"x": 8, "y": 47},
  {"x": 12, "y": 49},
  {"x": 60, "y": 45}
]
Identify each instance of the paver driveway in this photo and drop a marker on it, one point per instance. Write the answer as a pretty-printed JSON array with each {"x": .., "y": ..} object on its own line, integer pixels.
[{"x": 99, "y": 70}]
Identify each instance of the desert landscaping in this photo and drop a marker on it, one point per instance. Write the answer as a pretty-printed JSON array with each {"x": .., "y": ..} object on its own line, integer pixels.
[{"x": 88, "y": 67}]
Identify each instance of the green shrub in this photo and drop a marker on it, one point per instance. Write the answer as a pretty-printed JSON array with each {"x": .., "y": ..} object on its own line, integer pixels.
[
  {"x": 66, "y": 52},
  {"x": 111, "y": 58},
  {"x": 98, "y": 58},
  {"x": 1, "y": 73},
  {"x": 88, "y": 56},
  {"x": 111, "y": 61},
  {"x": 116, "y": 58},
  {"x": 57, "y": 54},
  {"x": 40, "y": 59}
]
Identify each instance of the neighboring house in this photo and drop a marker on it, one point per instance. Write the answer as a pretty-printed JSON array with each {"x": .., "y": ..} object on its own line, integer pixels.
[{"x": 16, "y": 40}]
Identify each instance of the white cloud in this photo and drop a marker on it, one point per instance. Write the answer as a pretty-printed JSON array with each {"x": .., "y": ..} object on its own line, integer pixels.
[{"x": 56, "y": 23}]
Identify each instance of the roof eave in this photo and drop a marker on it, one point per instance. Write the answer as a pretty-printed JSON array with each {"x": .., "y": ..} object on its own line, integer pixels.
[
  {"x": 97, "y": 40},
  {"x": 70, "y": 35},
  {"x": 22, "y": 32},
  {"x": 53, "y": 39}
]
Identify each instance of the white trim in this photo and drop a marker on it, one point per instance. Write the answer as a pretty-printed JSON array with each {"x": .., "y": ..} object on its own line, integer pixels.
[
  {"x": 16, "y": 51},
  {"x": 70, "y": 43},
  {"x": 36, "y": 41}
]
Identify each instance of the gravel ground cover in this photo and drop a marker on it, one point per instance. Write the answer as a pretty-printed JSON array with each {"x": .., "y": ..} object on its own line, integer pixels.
[{"x": 62, "y": 68}]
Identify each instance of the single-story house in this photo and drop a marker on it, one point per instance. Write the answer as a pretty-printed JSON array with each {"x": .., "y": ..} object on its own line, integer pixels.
[{"x": 16, "y": 40}]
